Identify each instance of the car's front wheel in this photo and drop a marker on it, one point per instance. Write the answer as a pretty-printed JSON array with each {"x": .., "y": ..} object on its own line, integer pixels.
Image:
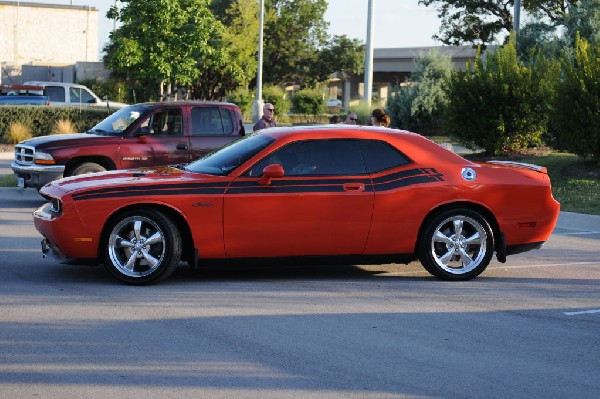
[
  {"x": 142, "y": 247},
  {"x": 457, "y": 244}
]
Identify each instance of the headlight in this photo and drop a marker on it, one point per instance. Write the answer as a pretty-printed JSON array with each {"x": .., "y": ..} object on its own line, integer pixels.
[
  {"x": 55, "y": 206},
  {"x": 42, "y": 158}
]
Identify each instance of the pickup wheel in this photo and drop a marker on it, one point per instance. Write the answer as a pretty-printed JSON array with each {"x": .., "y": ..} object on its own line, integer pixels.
[{"x": 86, "y": 167}]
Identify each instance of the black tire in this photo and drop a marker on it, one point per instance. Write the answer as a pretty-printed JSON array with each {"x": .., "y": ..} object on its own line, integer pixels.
[
  {"x": 142, "y": 247},
  {"x": 86, "y": 167},
  {"x": 456, "y": 244}
]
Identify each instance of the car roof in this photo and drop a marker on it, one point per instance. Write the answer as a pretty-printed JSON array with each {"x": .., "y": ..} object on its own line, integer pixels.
[
  {"x": 413, "y": 143},
  {"x": 166, "y": 104}
]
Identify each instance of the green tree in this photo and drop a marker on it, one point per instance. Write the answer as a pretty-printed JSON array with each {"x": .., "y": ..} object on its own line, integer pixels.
[
  {"x": 480, "y": 22},
  {"x": 163, "y": 41},
  {"x": 501, "y": 105},
  {"x": 294, "y": 30},
  {"x": 418, "y": 103},
  {"x": 576, "y": 115},
  {"x": 340, "y": 54},
  {"x": 583, "y": 18}
]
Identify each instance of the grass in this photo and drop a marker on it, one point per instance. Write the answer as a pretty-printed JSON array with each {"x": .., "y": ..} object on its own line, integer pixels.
[
  {"x": 8, "y": 181},
  {"x": 576, "y": 192}
]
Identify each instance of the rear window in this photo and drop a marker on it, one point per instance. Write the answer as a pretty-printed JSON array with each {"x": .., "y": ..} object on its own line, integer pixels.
[
  {"x": 380, "y": 156},
  {"x": 56, "y": 93},
  {"x": 211, "y": 121}
]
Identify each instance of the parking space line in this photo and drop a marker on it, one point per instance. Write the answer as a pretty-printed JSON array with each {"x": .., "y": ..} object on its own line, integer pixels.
[{"x": 582, "y": 312}]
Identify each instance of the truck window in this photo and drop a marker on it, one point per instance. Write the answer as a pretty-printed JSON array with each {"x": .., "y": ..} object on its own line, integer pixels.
[
  {"x": 56, "y": 93},
  {"x": 166, "y": 123},
  {"x": 79, "y": 95},
  {"x": 211, "y": 121}
]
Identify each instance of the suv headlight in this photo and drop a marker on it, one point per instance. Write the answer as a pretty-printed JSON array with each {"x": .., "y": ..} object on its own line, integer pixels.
[{"x": 42, "y": 158}]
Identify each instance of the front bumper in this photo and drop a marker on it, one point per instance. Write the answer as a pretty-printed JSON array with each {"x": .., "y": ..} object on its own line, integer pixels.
[{"x": 36, "y": 176}]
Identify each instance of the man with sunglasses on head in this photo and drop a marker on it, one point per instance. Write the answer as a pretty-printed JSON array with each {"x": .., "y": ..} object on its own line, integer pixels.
[
  {"x": 351, "y": 119},
  {"x": 268, "y": 118}
]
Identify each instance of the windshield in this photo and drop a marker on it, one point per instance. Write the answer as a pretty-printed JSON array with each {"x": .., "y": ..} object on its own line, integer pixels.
[
  {"x": 117, "y": 122},
  {"x": 228, "y": 158}
]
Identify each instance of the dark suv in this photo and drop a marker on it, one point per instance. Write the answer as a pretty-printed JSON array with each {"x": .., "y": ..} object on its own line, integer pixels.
[{"x": 148, "y": 134}]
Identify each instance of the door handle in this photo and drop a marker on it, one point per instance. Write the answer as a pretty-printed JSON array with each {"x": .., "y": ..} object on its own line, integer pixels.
[
  {"x": 182, "y": 146},
  {"x": 354, "y": 187}
]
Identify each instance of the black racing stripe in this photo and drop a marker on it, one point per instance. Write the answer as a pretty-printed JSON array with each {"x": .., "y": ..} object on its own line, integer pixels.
[
  {"x": 151, "y": 192},
  {"x": 302, "y": 182},
  {"x": 285, "y": 189},
  {"x": 404, "y": 183},
  {"x": 145, "y": 189}
]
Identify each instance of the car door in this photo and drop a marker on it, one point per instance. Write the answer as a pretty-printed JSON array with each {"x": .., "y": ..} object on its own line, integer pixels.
[
  {"x": 212, "y": 127},
  {"x": 158, "y": 141},
  {"x": 321, "y": 206}
]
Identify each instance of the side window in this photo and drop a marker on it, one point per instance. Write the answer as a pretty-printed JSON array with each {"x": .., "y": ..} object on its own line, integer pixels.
[
  {"x": 380, "y": 156},
  {"x": 166, "y": 123},
  {"x": 316, "y": 158},
  {"x": 211, "y": 121},
  {"x": 86, "y": 97},
  {"x": 55, "y": 93},
  {"x": 74, "y": 94}
]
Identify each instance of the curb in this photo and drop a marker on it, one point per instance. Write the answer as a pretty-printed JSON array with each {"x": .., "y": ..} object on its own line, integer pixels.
[{"x": 578, "y": 221}]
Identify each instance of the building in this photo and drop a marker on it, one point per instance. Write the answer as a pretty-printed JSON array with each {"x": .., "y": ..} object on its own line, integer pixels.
[
  {"x": 392, "y": 66},
  {"x": 51, "y": 35}
]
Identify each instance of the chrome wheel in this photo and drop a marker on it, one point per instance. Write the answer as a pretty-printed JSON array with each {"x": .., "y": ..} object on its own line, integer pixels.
[
  {"x": 457, "y": 245},
  {"x": 142, "y": 247}
]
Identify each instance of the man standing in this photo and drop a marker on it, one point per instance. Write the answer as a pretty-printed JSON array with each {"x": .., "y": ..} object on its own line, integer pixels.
[
  {"x": 267, "y": 119},
  {"x": 351, "y": 119}
]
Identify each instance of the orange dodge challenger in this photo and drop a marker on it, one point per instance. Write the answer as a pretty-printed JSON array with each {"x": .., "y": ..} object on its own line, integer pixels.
[{"x": 360, "y": 195}]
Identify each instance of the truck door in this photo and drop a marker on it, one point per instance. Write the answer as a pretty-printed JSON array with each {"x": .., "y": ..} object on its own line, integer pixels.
[
  {"x": 159, "y": 141},
  {"x": 211, "y": 127}
]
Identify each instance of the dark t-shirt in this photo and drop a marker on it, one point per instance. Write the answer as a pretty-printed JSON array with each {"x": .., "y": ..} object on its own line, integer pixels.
[{"x": 263, "y": 124}]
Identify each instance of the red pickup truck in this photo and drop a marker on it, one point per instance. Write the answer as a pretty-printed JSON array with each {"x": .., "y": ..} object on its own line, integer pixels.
[{"x": 148, "y": 134}]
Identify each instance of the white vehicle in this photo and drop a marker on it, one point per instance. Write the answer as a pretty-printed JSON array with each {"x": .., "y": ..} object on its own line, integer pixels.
[
  {"x": 334, "y": 103},
  {"x": 71, "y": 94}
]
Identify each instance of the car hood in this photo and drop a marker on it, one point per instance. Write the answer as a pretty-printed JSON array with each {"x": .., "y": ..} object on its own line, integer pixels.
[
  {"x": 131, "y": 179},
  {"x": 59, "y": 140}
]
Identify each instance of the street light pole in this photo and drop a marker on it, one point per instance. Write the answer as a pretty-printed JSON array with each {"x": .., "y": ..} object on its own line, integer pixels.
[
  {"x": 369, "y": 55},
  {"x": 257, "y": 111},
  {"x": 517, "y": 16}
]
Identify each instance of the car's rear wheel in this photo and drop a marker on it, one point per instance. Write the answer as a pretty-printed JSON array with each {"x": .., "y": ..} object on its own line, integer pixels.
[
  {"x": 142, "y": 247},
  {"x": 87, "y": 167},
  {"x": 457, "y": 244}
]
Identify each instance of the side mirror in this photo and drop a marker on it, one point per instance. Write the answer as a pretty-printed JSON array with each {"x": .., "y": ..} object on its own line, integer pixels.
[{"x": 270, "y": 172}]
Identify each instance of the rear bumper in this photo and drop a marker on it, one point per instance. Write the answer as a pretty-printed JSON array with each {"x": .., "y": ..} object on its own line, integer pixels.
[{"x": 37, "y": 176}]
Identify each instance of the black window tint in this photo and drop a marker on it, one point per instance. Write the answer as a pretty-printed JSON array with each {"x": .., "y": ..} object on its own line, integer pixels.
[
  {"x": 227, "y": 121},
  {"x": 317, "y": 158},
  {"x": 166, "y": 123},
  {"x": 56, "y": 93},
  {"x": 211, "y": 121},
  {"x": 86, "y": 97},
  {"x": 380, "y": 156}
]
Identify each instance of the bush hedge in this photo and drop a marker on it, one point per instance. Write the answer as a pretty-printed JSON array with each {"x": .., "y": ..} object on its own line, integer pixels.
[{"x": 42, "y": 120}]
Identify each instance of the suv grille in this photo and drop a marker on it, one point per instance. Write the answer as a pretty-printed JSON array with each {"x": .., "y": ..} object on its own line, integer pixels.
[{"x": 24, "y": 154}]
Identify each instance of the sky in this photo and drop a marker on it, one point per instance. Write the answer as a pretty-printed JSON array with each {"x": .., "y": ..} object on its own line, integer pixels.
[{"x": 398, "y": 23}]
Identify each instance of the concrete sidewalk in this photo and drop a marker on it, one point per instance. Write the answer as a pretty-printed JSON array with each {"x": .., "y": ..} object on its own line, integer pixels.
[{"x": 6, "y": 155}]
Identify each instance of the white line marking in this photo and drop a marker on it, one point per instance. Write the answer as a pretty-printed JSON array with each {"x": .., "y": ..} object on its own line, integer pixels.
[
  {"x": 582, "y": 312},
  {"x": 581, "y": 233},
  {"x": 504, "y": 266}
]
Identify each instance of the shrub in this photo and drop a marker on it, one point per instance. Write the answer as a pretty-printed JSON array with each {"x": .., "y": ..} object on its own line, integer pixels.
[
  {"x": 576, "y": 116},
  {"x": 501, "y": 105},
  {"x": 17, "y": 132},
  {"x": 244, "y": 99},
  {"x": 63, "y": 126},
  {"x": 42, "y": 120},
  {"x": 309, "y": 102},
  {"x": 418, "y": 104}
]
